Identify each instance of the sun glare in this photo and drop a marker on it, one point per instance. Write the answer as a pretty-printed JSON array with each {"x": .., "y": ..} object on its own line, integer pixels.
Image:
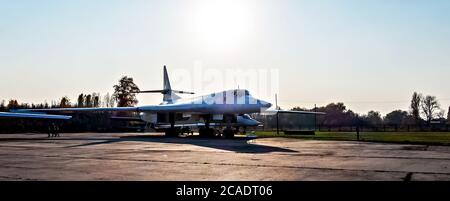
[{"x": 222, "y": 22}]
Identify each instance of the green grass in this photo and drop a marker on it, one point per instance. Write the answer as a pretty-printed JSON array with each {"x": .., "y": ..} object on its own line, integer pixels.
[{"x": 426, "y": 138}]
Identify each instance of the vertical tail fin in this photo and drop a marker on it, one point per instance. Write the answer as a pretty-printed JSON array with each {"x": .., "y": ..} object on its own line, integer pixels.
[
  {"x": 169, "y": 95},
  {"x": 166, "y": 84}
]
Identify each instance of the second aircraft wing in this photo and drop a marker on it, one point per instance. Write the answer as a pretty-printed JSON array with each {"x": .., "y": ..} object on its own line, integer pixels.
[
  {"x": 34, "y": 116},
  {"x": 273, "y": 112}
]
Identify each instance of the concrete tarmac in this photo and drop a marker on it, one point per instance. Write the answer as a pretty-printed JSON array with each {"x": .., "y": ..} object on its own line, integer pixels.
[{"x": 131, "y": 156}]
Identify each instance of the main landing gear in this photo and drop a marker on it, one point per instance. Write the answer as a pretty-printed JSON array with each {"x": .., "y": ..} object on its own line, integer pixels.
[
  {"x": 172, "y": 131},
  {"x": 228, "y": 131},
  {"x": 207, "y": 131}
]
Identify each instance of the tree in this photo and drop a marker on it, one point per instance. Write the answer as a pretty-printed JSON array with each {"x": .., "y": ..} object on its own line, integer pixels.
[
  {"x": 2, "y": 106},
  {"x": 336, "y": 114},
  {"x": 65, "y": 102},
  {"x": 448, "y": 115},
  {"x": 106, "y": 100},
  {"x": 80, "y": 100},
  {"x": 396, "y": 117},
  {"x": 374, "y": 118},
  {"x": 429, "y": 107},
  {"x": 440, "y": 115},
  {"x": 409, "y": 121},
  {"x": 112, "y": 101},
  {"x": 415, "y": 106},
  {"x": 96, "y": 101},
  {"x": 299, "y": 109},
  {"x": 12, "y": 104},
  {"x": 54, "y": 104},
  {"x": 125, "y": 92},
  {"x": 24, "y": 106},
  {"x": 88, "y": 100}
]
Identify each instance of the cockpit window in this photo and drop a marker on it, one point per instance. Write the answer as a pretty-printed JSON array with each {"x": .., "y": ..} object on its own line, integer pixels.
[
  {"x": 246, "y": 116},
  {"x": 240, "y": 92}
]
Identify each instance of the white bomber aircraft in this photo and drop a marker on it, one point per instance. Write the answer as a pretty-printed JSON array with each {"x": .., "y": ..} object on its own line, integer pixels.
[{"x": 226, "y": 107}]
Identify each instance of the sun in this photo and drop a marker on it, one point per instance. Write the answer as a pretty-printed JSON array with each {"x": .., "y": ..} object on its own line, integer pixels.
[{"x": 222, "y": 22}]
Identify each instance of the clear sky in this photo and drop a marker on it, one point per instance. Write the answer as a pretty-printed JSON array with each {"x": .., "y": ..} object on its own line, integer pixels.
[{"x": 370, "y": 54}]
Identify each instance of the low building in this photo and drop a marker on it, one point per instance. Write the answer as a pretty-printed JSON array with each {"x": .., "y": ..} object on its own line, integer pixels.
[{"x": 288, "y": 122}]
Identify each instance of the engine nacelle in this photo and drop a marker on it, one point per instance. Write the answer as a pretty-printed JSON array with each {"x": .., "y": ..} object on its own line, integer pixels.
[{"x": 149, "y": 117}]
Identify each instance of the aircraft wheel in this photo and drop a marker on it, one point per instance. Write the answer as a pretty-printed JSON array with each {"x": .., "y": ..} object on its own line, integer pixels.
[
  {"x": 228, "y": 133},
  {"x": 206, "y": 132},
  {"x": 201, "y": 132},
  {"x": 172, "y": 132}
]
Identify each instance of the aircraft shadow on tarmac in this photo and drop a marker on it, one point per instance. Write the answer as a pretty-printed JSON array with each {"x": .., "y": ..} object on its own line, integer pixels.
[{"x": 238, "y": 145}]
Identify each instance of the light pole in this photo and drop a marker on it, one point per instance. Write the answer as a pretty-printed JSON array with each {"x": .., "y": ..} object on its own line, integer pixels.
[{"x": 276, "y": 108}]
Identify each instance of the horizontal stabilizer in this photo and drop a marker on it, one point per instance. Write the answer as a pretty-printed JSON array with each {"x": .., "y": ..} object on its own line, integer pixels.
[
  {"x": 165, "y": 91},
  {"x": 183, "y": 92},
  {"x": 153, "y": 91}
]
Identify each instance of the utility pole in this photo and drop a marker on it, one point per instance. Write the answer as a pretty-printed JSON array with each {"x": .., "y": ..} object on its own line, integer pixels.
[{"x": 276, "y": 108}]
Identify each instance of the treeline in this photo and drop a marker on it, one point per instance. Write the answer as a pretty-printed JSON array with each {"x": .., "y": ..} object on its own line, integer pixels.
[
  {"x": 80, "y": 122},
  {"x": 124, "y": 95},
  {"x": 425, "y": 114},
  {"x": 83, "y": 101}
]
